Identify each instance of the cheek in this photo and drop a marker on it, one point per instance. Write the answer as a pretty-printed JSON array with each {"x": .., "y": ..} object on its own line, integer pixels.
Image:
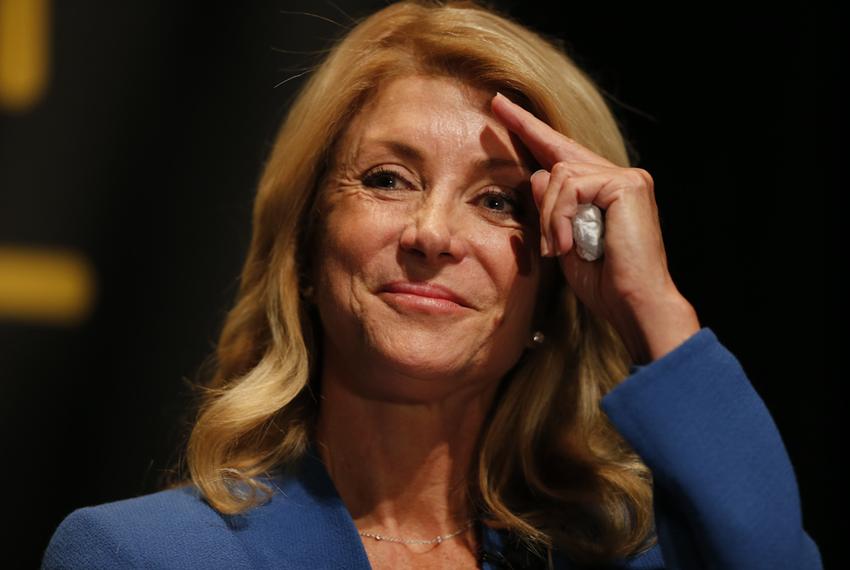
[
  {"x": 514, "y": 268},
  {"x": 509, "y": 255},
  {"x": 353, "y": 232}
]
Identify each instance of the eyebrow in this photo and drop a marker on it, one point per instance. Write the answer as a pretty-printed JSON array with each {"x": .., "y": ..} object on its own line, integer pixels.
[{"x": 413, "y": 154}]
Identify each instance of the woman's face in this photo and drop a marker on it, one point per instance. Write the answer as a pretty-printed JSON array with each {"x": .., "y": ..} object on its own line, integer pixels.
[{"x": 428, "y": 198}]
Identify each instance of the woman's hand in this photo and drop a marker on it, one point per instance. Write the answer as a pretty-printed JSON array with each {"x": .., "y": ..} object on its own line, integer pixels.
[{"x": 630, "y": 285}]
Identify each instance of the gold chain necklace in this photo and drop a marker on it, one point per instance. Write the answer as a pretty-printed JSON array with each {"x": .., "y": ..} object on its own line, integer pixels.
[{"x": 436, "y": 540}]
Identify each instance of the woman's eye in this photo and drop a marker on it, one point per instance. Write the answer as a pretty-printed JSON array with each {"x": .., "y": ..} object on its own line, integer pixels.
[
  {"x": 501, "y": 203},
  {"x": 385, "y": 179}
]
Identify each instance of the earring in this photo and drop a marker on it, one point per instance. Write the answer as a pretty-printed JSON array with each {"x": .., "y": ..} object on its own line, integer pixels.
[{"x": 538, "y": 337}]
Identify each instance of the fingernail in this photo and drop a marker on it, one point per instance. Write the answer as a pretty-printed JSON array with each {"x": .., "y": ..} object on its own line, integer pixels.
[
  {"x": 536, "y": 172},
  {"x": 544, "y": 247}
]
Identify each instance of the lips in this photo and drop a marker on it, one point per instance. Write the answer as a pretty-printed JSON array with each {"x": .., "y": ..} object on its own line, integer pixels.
[{"x": 425, "y": 289}]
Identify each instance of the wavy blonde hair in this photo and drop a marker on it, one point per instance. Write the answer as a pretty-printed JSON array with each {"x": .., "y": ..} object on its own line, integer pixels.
[{"x": 550, "y": 466}]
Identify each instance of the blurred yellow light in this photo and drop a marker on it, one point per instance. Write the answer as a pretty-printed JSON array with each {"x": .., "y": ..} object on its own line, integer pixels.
[
  {"x": 45, "y": 286},
  {"x": 24, "y": 52}
]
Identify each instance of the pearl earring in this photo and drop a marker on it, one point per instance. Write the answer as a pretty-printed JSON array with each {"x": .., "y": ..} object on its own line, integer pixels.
[{"x": 538, "y": 337}]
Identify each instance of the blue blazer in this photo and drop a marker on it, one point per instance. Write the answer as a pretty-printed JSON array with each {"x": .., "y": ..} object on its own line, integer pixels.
[{"x": 725, "y": 495}]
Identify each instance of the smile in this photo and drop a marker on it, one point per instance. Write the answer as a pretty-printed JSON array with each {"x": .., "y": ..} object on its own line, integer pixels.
[{"x": 426, "y": 298}]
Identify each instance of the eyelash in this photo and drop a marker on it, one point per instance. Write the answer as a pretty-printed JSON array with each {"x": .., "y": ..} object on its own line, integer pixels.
[
  {"x": 370, "y": 180},
  {"x": 373, "y": 175}
]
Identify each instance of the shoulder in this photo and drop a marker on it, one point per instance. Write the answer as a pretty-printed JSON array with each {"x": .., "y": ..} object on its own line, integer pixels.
[{"x": 167, "y": 529}]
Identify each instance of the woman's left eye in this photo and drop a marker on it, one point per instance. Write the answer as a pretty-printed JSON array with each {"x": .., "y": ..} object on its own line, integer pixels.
[{"x": 500, "y": 202}]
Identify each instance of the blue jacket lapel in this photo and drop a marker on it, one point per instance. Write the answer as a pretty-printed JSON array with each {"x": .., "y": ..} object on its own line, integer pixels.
[{"x": 305, "y": 525}]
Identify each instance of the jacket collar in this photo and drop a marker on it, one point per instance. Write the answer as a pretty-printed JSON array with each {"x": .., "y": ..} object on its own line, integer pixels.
[{"x": 305, "y": 524}]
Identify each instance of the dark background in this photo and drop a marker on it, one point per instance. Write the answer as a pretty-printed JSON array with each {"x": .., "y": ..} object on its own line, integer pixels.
[{"x": 145, "y": 149}]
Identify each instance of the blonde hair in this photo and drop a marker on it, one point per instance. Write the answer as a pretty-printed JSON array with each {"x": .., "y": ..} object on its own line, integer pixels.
[{"x": 550, "y": 467}]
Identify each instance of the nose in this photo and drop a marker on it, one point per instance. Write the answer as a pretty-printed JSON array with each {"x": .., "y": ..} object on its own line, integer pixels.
[{"x": 431, "y": 231}]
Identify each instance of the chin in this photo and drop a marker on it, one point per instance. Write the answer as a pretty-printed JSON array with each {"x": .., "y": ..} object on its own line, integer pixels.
[
  {"x": 445, "y": 364},
  {"x": 422, "y": 364}
]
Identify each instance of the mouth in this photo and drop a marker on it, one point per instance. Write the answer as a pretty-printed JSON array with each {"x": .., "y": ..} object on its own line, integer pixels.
[{"x": 428, "y": 297}]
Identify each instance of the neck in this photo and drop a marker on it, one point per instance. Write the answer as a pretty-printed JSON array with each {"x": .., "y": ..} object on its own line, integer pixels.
[{"x": 401, "y": 468}]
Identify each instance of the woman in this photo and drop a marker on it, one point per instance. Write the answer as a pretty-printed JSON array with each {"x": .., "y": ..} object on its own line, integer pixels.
[{"x": 420, "y": 371}]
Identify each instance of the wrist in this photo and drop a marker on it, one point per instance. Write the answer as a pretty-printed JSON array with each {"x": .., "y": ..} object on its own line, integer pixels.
[{"x": 661, "y": 324}]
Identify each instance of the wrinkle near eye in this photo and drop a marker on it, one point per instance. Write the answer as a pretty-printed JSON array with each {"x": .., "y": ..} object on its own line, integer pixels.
[{"x": 339, "y": 187}]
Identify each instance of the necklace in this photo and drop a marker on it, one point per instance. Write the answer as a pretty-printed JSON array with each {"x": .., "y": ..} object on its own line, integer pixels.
[{"x": 436, "y": 540}]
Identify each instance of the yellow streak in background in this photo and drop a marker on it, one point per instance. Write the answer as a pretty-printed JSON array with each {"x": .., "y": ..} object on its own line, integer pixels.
[
  {"x": 45, "y": 286},
  {"x": 24, "y": 52}
]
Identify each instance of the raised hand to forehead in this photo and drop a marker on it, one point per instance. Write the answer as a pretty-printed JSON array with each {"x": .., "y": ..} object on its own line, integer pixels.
[
  {"x": 563, "y": 160},
  {"x": 632, "y": 280}
]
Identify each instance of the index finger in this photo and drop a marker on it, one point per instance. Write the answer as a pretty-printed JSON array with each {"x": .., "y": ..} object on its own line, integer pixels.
[{"x": 546, "y": 144}]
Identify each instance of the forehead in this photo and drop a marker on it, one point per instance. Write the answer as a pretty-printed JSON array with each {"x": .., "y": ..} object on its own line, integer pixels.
[
  {"x": 444, "y": 113},
  {"x": 429, "y": 91}
]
